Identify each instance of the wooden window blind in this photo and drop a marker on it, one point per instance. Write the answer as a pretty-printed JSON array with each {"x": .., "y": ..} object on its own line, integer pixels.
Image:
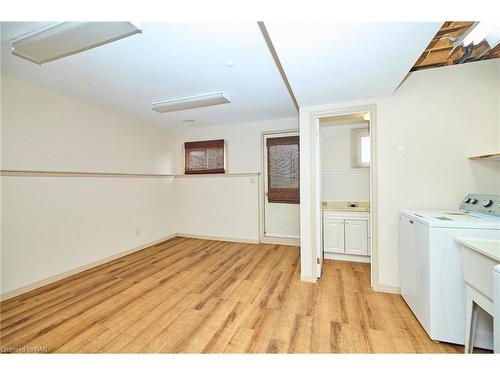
[
  {"x": 204, "y": 157},
  {"x": 283, "y": 173}
]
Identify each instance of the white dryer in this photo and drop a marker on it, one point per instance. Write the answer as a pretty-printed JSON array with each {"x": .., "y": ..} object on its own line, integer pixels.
[{"x": 430, "y": 265}]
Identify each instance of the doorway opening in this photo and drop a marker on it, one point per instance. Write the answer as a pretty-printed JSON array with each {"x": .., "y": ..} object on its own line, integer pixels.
[
  {"x": 280, "y": 213},
  {"x": 343, "y": 179}
]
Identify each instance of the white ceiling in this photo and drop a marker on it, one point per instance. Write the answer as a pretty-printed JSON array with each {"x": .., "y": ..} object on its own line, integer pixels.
[
  {"x": 338, "y": 62},
  {"x": 325, "y": 63},
  {"x": 167, "y": 60}
]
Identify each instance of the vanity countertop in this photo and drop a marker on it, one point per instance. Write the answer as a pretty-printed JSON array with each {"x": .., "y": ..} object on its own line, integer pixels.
[{"x": 345, "y": 206}]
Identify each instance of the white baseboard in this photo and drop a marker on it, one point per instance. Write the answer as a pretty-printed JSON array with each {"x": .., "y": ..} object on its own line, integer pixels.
[
  {"x": 348, "y": 257},
  {"x": 387, "y": 289},
  {"x": 308, "y": 279},
  {"x": 287, "y": 241},
  {"x": 49, "y": 280},
  {"x": 214, "y": 238}
]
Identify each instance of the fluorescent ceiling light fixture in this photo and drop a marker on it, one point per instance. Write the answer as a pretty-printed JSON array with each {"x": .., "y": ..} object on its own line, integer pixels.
[
  {"x": 193, "y": 101},
  {"x": 61, "y": 39},
  {"x": 480, "y": 31}
]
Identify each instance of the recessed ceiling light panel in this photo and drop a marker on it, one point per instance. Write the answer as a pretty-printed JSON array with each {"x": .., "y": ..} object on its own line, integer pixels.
[
  {"x": 190, "y": 102},
  {"x": 61, "y": 39}
]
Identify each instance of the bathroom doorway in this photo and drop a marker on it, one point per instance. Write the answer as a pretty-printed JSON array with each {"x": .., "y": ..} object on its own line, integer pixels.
[{"x": 343, "y": 179}]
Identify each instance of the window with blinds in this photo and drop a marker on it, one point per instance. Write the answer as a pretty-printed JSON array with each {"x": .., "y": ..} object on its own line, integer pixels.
[
  {"x": 283, "y": 170},
  {"x": 204, "y": 157}
]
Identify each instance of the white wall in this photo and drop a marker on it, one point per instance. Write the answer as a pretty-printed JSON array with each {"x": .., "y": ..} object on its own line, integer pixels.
[
  {"x": 440, "y": 117},
  {"x": 51, "y": 225},
  {"x": 242, "y": 142},
  {"x": 218, "y": 206},
  {"x": 233, "y": 205},
  {"x": 44, "y": 130},
  {"x": 339, "y": 181}
]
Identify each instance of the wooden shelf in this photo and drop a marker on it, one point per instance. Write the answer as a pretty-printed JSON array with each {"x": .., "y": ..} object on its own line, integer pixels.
[{"x": 495, "y": 156}]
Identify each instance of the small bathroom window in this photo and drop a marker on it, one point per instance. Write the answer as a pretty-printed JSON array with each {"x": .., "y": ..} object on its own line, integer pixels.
[{"x": 361, "y": 150}]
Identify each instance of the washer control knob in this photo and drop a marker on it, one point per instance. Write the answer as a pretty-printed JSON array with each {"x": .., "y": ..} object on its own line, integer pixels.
[
  {"x": 473, "y": 201},
  {"x": 487, "y": 203},
  {"x": 467, "y": 200}
]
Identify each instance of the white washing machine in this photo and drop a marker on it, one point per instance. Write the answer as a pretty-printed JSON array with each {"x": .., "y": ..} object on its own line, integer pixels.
[{"x": 430, "y": 265}]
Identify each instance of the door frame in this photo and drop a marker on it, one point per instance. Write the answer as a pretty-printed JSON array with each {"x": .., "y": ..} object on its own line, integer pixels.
[
  {"x": 316, "y": 182},
  {"x": 263, "y": 238}
]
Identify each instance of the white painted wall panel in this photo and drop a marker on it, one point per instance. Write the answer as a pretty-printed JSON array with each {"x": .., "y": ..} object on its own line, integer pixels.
[
  {"x": 51, "y": 225},
  {"x": 219, "y": 206},
  {"x": 45, "y": 130}
]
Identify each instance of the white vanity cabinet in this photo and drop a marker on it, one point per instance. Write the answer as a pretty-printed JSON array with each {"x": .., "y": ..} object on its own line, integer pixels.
[
  {"x": 333, "y": 238},
  {"x": 346, "y": 234},
  {"x": 356, "y": 237}
]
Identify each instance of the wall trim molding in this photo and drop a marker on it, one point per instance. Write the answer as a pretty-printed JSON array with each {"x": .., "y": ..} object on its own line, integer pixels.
[
  {"x": 249, "y": 174},
  {"x": 74, "y": 271},
  {"x": 27, "y": 173},
  {"x": 387, "y": 289},
  {"x": 308, "y": 279},
  {"x": 346, "y": 171},
  {"x": 348, "y": 257},
  {"x": 216, "y": 238},
  {"x": 286, "y": 241}
]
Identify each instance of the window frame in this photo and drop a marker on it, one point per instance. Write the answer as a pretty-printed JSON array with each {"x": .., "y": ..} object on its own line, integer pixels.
[
  {"x": 282, "y": 195},
  {"x": 356, "y": 135},
  {"x": 204, "y": 145}
]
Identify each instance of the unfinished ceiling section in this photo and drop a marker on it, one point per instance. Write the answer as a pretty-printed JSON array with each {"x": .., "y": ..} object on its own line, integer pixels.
[{"x": 447, "y": 48}]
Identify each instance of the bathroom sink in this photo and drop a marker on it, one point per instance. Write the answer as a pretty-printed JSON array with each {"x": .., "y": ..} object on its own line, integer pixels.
[{"x": 345, "y": 206}]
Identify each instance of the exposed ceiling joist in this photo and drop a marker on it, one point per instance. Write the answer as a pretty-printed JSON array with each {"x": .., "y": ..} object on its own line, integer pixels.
[{"x": 442, "y": 50}]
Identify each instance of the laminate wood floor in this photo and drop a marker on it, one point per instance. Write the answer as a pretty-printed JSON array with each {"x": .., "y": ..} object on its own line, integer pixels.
[{"x": 197, "y": 296}]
